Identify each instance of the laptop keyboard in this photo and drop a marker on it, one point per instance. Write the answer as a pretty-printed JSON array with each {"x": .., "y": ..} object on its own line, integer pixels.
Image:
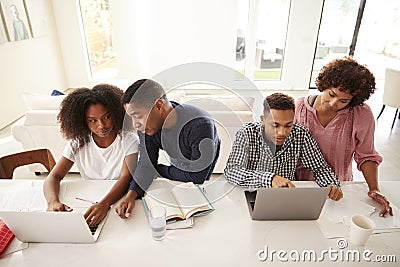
[{"x": 252, "y": 204}]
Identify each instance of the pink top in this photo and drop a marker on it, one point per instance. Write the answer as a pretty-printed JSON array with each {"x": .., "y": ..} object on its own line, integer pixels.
[{"x": 349, "y": 134}]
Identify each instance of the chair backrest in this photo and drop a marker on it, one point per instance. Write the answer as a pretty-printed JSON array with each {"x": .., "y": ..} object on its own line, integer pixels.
[
  {"x": 391, "y": 94},
  {"x": 10, "y": 162}
]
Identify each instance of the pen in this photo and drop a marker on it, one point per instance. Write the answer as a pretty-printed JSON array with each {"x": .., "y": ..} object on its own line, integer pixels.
[{"x": 86, "y": 200}]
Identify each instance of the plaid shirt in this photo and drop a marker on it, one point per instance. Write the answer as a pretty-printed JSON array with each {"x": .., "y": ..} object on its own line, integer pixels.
[{"x": 252, "y": 164}]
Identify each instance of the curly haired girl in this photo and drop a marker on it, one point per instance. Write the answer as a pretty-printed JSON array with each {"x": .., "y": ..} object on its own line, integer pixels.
[{"x": 92, "y": 119}]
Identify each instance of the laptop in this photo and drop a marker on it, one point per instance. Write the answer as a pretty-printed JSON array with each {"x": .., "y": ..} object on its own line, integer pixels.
[
  {"x": 52, "y": 227},
  {"x": 299, "y": 203}
]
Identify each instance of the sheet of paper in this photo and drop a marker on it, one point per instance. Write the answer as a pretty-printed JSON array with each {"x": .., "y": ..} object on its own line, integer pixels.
[
  {"x": 80, "y": 190},
  {"x": 23, "y": 199},
  {"x": 390, "y": 222},
  {"x": 335, "y": 216},
  {"x": 15, "y": 246},
  {"x": 331, "y": 229},
  {"x": 337, "y": 210}
]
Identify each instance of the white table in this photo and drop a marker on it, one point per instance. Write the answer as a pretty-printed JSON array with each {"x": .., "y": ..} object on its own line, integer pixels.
[{"x": 226, "y": 237}]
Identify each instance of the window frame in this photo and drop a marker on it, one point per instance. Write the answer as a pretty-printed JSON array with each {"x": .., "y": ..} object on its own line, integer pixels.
[{"x": 296, "y": 68}]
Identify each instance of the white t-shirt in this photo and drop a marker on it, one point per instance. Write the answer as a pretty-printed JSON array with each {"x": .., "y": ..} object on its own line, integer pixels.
[{"x": 98, "y": 163}]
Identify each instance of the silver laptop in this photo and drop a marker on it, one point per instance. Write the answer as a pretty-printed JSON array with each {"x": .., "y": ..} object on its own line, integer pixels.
[
  {"x": 51, "y": 227},
  {"x": 300, "y": 203}
]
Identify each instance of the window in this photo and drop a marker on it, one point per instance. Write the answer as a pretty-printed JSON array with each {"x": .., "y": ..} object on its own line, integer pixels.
[
  {"x": 97, "y": 27},
  {"x": 242, "y": 26},
  {"x": 335, "y": 33},
  {"x": 266, "y": 28},
  {"x": 378, "y": 42},
  {"x": 370, "y": 28}
]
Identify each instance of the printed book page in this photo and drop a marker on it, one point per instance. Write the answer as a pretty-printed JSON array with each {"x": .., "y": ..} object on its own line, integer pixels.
[
  {"x": 182, "y": 201},
  {"x": 191, "y": 199},
  {"x": 164, "y": 198}
]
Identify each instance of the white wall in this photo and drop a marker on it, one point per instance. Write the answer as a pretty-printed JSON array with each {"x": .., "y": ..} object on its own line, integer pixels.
[
  {"x": 301, "y": 43},
  {"x": 34, "y": 65},
  {"x": 72, "y": 43},
  {"x": 154, "y": 35}
]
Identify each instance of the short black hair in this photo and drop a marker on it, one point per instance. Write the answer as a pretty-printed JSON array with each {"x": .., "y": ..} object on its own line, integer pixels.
[
  {"x": 72, "y": 116},
  {"x": 279, "y": 101},
  {"x": 144, "y": 92}
]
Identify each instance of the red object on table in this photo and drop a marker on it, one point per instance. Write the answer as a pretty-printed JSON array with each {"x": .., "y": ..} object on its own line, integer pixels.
[{"x": 6, "y": 236}]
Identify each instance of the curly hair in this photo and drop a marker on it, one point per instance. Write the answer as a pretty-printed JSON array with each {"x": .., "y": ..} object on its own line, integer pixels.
[
  {"x": 73, "y": 108},
  {"x": 348, "y": 76},
  {"x": 279, "y": 101}
]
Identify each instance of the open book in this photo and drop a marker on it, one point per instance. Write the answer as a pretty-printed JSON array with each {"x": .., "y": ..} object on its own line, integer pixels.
[{"x": 181, "y": 202}]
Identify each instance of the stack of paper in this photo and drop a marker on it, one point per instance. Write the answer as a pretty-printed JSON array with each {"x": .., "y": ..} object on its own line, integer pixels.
[
  {"x": 335, "y": 216},
  {"x": 346, "y": 207}
]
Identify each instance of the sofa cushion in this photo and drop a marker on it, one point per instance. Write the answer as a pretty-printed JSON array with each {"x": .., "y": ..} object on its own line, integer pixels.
[
  {"x": 41, "y": 118},
  {"x": 42, "y": 102},
  {"x": 220, "y": 103},
  {"x": 176, "y": 95},
  {"x": 229, "y": 114}
]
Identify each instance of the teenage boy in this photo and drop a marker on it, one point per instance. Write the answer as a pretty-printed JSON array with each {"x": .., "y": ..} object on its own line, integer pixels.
[
  {"x": 266, "y": 153},
  {"x": 186, "y": 133}
]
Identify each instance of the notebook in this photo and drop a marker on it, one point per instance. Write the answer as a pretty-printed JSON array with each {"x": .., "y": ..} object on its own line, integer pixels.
[
  {"x": 51, "y": 227},
  {"x": 300, "y": 203}
]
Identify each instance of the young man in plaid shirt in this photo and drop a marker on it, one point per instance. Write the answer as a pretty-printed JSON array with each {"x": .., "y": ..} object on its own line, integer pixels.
[{"x": 266, "y": 153}]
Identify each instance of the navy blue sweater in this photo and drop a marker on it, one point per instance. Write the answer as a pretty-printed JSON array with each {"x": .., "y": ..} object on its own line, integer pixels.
[{"x": 192, "y": 145}]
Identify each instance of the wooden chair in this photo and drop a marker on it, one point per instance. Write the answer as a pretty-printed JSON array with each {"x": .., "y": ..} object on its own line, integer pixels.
[{"x": 10, "y": 162}]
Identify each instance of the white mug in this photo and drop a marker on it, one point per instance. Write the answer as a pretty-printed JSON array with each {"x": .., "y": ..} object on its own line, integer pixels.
[{"x": 360, "y": 229}]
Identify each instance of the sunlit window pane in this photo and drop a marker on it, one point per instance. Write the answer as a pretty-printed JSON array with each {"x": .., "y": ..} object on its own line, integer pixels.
[
  {"x": 97, "y": 28},
  {"x": 378, "y": 43},
  {"x": 241, "y": 31},
  {"x": 273, "y": 17},
  {"x": 338, "y": 21}
]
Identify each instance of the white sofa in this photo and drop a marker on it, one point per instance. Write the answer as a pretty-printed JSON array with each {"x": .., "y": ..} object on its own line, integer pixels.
[
  {"x": 39, "y": 127},
  {"x": 229, "y": 114}
]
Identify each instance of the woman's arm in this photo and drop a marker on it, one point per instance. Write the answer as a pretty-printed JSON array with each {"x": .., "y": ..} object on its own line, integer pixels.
[
  {"x": 51, "y": 186},
  {"x": 370, "y": 172},
  {"x": 96, "y": 213},
  {"x": 366, "y": 157}
]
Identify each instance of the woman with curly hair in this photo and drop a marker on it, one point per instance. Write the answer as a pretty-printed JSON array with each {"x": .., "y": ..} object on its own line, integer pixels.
[
  {"x": 343, "y": 125},
  {"x": 93, "y": 120}
]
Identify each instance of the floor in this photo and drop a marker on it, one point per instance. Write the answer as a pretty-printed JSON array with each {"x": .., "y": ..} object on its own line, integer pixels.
[{"x": 387, "y": 143}]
